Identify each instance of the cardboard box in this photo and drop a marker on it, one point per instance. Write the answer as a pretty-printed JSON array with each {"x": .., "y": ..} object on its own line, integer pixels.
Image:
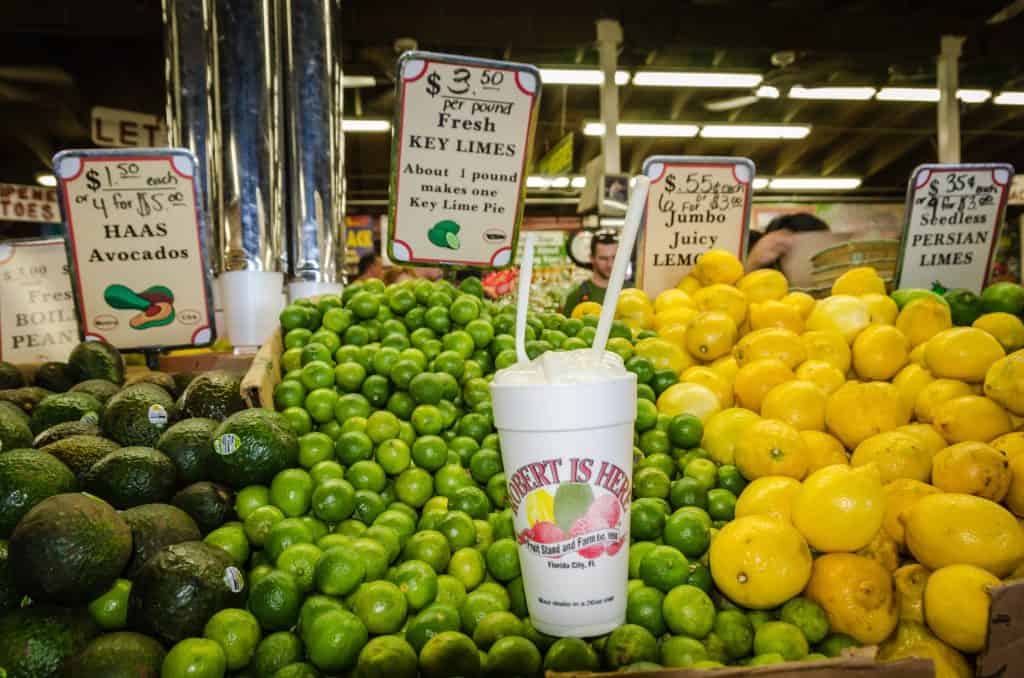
[
  {"x": 847, "y": 667},
  {"x": 1004, "y": 652}
]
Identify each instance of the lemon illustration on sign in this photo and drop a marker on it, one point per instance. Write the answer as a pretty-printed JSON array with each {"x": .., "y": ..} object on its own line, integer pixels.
[
  {"x": 444, "y": 234},
  {"x": 540, "y": 507}
]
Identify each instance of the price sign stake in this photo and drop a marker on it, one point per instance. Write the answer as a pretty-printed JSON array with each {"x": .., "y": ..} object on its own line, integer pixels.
[
  {"x": 462, "y": 136},
  {"x": 37, "y": 314},
  {"x": 134, "y": 243}
]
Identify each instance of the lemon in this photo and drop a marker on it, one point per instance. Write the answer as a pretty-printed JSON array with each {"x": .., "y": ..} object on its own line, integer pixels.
[
  {"x": 800, "y": 404},
  {"x": 717, "y": 266},
  {"x": 956, "y": 605},
  {"x": 1011, "y": 444},
  {"x": 913, "y": 639},
  {"x": 771, "y": 448},
  {"x": 639, "y": 317},
  {"x": 637, "y": 294},
  {"x": 1014, "y": 498},
  {"x": 922, "y": 319},
  {"x": 705, "y": 376},
  {"x": 900, "y": 495},
  {"x": 777, "y": 343},
  {"x": 771, "y": 496},
  {"x": 689, "y": 284},
  {"x": 672, "y": 298},
  {"x": 822, "y": 374},
  {"x": 1004, "y": 382},
  {"x": 675, "y": 334},
  {"x": 765, "y": 314},
  {"x": 723, "y": 298},
  {"x": 586, "y": 308},
  {"x": 971, "y": 418},
  {"x": 909, "y": 582},
  {"x": 540, "y": 507},
  {"x": 723, "y": 429},
  {"x": 917, "y": 355},
  {"x": 927, "y": 435},
  {"x": 802, "y": 301},
  {"x": 1007, "y": 329},
  {"x": 828, "y": 346},
  {"x": 879, "y": 352},
  {"x": 759, "y": 562},
  {"x": 679, "y": 315},
  {"x": 856, "y": 594},
  {"x": 727, "y": 367},
  {"x": 687, "y": 398},
  {"x": 858, "y": 281},
  {"x": 710, "y": 335},
  {"x": 882, "y": 309},
  {"x": 910, "y": 380},
  {"x": 946, "y": 529},
  {"x": 934, "y": 394},
  {"x": 845, "y": 314},
  {"x": 963, "y": 353},
  {"x": 972, "y": 468},
  {"x": 858, "y": 410},
  {"x": 823, "y": 450},
  {"x": 663, "y": 354},
  {"x": 763, "y": 285},
  {"x": 754, "y": 380},
  {"x": 882, "y": 549},
  {"x": 839, "y": 508},
  {"x": 895, "y": 455}
]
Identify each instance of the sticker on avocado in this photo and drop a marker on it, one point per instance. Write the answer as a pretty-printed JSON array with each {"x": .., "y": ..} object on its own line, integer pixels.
[
  {"x": 157, "y": 415},
  {"x": 91, "y": 417},
  {"x": 233, "y": 579},
  {"x": 226, "y": 444}
]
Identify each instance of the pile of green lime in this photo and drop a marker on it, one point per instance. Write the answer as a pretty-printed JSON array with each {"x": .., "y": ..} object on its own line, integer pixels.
[{"x": 390, "y": 551}]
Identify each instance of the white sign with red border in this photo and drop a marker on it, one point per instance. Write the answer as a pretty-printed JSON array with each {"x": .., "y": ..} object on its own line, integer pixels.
[
  {"x": 134, "y": 238},
  {"x": 953, "y": 216},
  {"x": 461, "y": 140},
  {"x": 695, "y": 204},
  {"x": 37, "y": 311}
]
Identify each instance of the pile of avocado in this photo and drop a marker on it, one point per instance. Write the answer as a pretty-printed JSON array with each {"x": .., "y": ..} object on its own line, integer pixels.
[{"x": 108, "y": 487}]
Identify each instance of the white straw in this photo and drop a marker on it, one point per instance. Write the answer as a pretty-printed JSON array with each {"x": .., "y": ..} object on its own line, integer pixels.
[
  {"x": 634, "y": 215},
  {"x": 523, "y": 297}
]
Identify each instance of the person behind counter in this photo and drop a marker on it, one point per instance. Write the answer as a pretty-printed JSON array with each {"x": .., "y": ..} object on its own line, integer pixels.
[
  {"x": 370, "y": 266},
  {"x": 779, "y": 239},
  {"x": 603, "y": 247}
]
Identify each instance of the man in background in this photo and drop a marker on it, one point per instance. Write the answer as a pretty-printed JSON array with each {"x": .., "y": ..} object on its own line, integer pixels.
[
  {"x": 603, "y": 247},
  {"x": 370, "y": 266}
]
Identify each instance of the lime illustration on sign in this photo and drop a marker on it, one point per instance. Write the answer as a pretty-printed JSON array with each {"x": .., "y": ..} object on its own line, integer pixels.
[
  {"x": 952, "y": 221},
  {"x": 134, "y": 242},
  {"x": 695, "y": 204},
  {"x": 462, "y": 137}
]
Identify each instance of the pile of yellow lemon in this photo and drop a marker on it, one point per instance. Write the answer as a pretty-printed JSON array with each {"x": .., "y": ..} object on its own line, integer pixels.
[{"x": 883, "y": 445}]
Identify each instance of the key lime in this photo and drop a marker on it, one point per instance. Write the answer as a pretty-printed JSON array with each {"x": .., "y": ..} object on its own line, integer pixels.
[
  {"x": 630, "y": 644},
  {"x": 387, "y": 657},
  {"x": 449, "y": 654},
  {"x": 237, "y": 632},
  {"x": 417, "y": 581},
  {"x": 512, "y": 656},
  {"x": 339, "y": 572},
  {"x": 194, "y": 658},
  {"x": 689, "y": 611},
  {"x": 334, "y": 640}
]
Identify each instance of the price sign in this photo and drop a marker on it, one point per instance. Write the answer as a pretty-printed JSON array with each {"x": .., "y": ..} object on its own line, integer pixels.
[
  {"x": 695, "y": 204},
  {"x": 37, "y": 314},
  {"x": 462, "y": 136},
  {"x": 953, "y": 216},
  {"x": 134, "y": 243}
]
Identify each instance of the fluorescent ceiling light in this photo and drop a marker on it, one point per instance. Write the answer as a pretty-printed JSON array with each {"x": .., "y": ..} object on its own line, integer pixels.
[
  {"x": 696, "y": 79},
  {"x": 353, "y": 81},
  {"x": 832, "y": 93},
  {"x": 560, "y": 182},
  {"x": 539, "y": 181},
  {"x": 644, "y": 129},
  {"x": 907, "y": 94},
  {"x": 579, "y": 76},
  {"x": 534, "y": 181},
  {"x": 578, "y": 182},
  {"x": 767, "y": 92},
  {"x": 760, "y": 182},
  {"x": 814, "y": 183},
  {"x": 1009, "y": 99},
  {"x": 364, "y": 125},
  {"x": 46, "y": 179},
  {"x": 755, "y": 131},
  {"x": 612, "y": 221},
  {"x": 973, "y": 96}
]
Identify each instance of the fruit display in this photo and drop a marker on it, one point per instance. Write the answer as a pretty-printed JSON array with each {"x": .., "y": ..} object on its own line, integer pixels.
[{"x": 809, "y": 476}]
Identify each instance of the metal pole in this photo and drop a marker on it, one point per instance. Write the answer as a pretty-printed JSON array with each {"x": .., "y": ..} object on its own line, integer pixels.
[
  {"x": 313, "y": 123},
  {"x": 609, "y": 37},
  {"x": 949, "y": 105}
]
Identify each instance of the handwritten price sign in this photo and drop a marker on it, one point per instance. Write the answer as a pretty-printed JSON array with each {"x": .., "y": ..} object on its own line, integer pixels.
[
  {"x": 133, "y": 238},
  {"x": 37, "y": 315},
  {"x": 462, "y": 137},
  {"x": 953, "y": 216},
  {"x": 695, "y": 204}
]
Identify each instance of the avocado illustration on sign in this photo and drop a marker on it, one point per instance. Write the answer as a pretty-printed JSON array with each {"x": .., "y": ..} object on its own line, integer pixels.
[
  {"x": 156, "y": 305},
  {"x": 445, "y": 234}
]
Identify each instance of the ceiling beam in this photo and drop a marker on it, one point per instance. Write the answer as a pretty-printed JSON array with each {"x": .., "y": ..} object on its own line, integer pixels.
[
  {"x": 857, "y": 143},
  {"x": 789, "y": 156}
]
